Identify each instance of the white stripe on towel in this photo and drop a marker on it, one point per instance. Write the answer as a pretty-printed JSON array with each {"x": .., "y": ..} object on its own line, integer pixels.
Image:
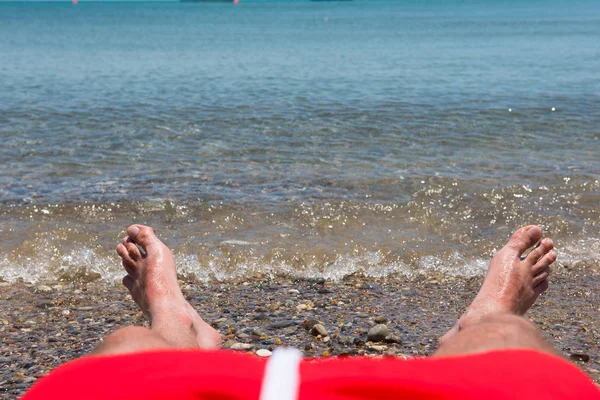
[{"x": 282, "y": 375}]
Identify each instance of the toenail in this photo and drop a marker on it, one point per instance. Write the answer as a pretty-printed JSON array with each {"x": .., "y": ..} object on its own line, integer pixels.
[{"x": 135, "y": 229}]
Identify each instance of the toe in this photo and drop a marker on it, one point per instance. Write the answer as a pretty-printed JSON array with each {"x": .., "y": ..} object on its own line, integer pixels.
[
  {"x": 541, "y": 277},
  {"x": 123, "y": 252},
  {"x": 541, "y": 288},
  {"x": 542, "y": 249},
  {"x": 128, "y": 263},
  {"x": 142, "y": 235},
  {"x": 134, "y": 252},
  {"x": 544, "y": 262},
  {"x": 524, "y": 238}
]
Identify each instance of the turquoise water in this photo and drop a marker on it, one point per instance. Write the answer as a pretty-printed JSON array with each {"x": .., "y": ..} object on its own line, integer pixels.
[{"x": 328, "y": 138}]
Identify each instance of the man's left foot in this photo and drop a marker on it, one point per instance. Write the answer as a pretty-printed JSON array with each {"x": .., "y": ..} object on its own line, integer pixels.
[{"x": 512, "y": 283}]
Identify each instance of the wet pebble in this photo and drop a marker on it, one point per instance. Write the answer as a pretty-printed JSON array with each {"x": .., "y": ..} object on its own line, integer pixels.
[
  {"x": 261, "y": 317},
  {"x": 318, "y": 329},
  {"x": 309, "y": 323},
  {"x": 378, "y": 333},
  {"x": 280, "y": 324},
  {"x": 393, "y": 339},
  {"x": 376, "y": 348},
  {"x": 343, "y": 340}
]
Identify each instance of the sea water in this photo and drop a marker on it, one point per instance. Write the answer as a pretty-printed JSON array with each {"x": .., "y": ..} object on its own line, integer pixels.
[{"x": 308, "y": 139}]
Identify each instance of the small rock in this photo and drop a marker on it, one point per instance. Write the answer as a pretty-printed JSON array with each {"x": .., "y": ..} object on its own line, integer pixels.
[
  {"x": 293, "y": 291},
  {"x": 309, "y": 323},
  {"x": 263, "y": 353},
  {"x": 280, "y": 324},
  {"x": 44, "y": 288},
  {"x": 579, "y": 357},
  {"x": 372, "y": 287},
  {"x": 377, "y": 333},
  {"x": 301, "y": 307},
  {"x": 257, "y": 332},
  {"x": 318, "y": 329},
  {"x": 241, "y": 346},
  {"x": 44, "y": 304},
  {"x": 343, "y": 340},
  {"x": 379, "y": 349},
  {"x": 381, "y": 320},
  {"x": 326, "y": 339},
  {"x": 392, "y": 339}
]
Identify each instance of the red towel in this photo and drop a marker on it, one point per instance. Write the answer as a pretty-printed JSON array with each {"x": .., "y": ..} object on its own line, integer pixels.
[{"x": 200, "y": 375}]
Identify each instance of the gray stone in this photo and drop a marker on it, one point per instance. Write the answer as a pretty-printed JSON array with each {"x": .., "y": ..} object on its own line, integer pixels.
[
  {"x": 318, "y": 329},
  {"x": 392, "y": 339},
  {"x": 309, "y": 323},
  {"x": 379, "y": 349},
  {"x": 281, "y": 324},
  {"x": 377, "y": 333},
  {"x": 381, "y": 320},
  {"x": 343, "y": 340}
]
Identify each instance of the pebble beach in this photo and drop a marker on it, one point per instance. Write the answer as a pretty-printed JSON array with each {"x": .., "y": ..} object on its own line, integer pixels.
[{"x": 44, "y": 326}]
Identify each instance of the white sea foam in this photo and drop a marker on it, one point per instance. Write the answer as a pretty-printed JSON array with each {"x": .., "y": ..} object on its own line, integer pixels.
[{"x": 87, "y": 265}]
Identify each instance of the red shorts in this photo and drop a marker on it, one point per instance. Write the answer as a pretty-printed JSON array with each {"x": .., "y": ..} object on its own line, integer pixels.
[{"x": 508, "y": 374}]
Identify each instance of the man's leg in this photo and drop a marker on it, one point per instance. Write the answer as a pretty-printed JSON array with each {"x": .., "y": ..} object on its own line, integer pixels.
[
  {"x": 494, "y": 320},
  {"x": 152, "y": 281}
]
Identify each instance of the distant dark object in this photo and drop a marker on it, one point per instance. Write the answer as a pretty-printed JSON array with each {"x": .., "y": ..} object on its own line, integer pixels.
[{"x": 207, "y": 1}]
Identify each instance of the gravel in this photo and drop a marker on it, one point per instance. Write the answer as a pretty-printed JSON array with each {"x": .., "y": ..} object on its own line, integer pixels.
[{"x": 46, "y": 325}]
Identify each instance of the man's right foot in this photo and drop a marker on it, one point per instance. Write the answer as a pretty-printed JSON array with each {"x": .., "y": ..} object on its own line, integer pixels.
[
  {"x": 152, "y": 281},
  {"x": 512, "y": 284}
]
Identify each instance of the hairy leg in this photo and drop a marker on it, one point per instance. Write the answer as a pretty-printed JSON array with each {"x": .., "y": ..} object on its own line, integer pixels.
[{"x": 494, "y": 320}]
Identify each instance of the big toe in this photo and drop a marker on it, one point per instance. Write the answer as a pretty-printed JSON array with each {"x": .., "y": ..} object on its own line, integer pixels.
[
  {"x": 524, "y": 238},
  {"x": 143, "y": 236}
]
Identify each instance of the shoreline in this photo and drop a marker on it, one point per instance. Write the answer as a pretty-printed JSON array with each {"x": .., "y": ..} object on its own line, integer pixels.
[{"x": 44, "y": 327}]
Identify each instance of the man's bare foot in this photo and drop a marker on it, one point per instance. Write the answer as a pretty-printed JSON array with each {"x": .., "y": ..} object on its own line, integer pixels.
[
  {"x": 512, "y": 284},
  {"x": 152, "y": 281}
]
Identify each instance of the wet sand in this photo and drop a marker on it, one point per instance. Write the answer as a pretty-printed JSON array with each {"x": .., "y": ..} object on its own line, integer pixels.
[{"x": 43, "y": 326}]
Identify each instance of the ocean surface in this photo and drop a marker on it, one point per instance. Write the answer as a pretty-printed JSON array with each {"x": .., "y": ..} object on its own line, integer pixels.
[{"x": 306, "y": 139}]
